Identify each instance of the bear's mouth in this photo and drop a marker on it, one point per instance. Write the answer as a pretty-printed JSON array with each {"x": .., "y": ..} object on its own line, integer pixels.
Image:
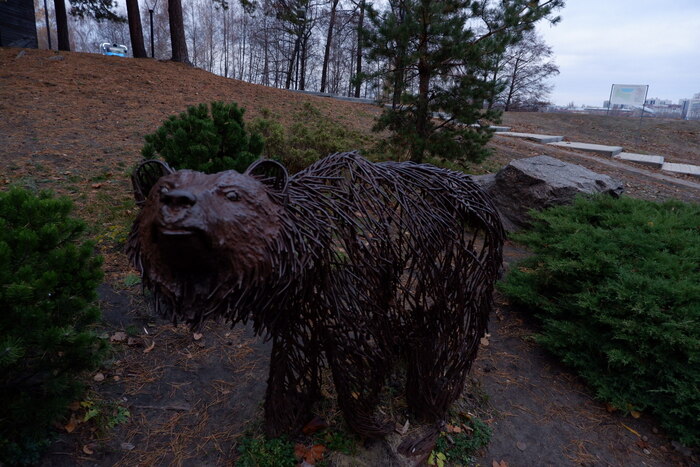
[
  {"x": 175, "y": 232},
  {"x": 184, "y": 249}
]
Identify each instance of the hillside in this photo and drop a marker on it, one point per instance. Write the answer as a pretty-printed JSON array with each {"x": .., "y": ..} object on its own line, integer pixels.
[{"x": 74, "y": 123}]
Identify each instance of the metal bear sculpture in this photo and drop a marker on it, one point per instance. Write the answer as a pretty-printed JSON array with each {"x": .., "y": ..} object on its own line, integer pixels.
[{"x": 350, "y": 264}]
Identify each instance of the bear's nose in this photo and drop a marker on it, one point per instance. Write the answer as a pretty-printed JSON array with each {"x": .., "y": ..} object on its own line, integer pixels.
[{"x": 178, "y": 198}]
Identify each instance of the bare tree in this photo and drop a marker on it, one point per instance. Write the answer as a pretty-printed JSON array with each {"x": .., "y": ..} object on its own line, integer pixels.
[{"x": 524, "y": 69}]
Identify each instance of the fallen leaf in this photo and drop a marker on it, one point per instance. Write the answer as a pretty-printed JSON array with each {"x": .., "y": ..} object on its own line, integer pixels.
[
  {"x": 299, "y": 451},
  {"x": 502, "y": 463},
  {"x": 150, "y": 347},
  {"x": 119, "y": 336},
  {"x": 74, "y": 406},
  {"x": 453, "y": 429},
  {"x": 402, "y": 429},
  {"x": 635, "y": 414},
  {"x": 87, "y": 450},
  {"x": 610, "y": 408},
  {"x": 520, "y": 445},
  {"x": 316, "y": 424},
  {"x": 197, "y": 335},
  {"x": 484, "y": 342},
  {"x": 315, "y": 454},
  {"x": 96, "y": 185},
  {"x": 72, "y": 424},
  {"x": 98, "y": 377},
  {"x": 127, "y": 446},
  {"x": 132, "y": 341}
]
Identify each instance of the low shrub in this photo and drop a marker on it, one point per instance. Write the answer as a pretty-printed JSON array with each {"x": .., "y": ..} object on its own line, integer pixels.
[
  {"x": 48, "y": 279},
  {"x": 309, "y": 138},
  {"x": 616, "y": 285},
  {"x": 208, "y": 138}
]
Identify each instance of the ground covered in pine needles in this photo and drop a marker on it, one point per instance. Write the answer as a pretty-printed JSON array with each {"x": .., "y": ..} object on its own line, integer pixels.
[{"x": 74, "y": 123}]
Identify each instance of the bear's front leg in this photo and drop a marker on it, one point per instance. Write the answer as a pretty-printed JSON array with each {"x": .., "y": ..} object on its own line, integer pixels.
[{"x": 293, "y": 384}]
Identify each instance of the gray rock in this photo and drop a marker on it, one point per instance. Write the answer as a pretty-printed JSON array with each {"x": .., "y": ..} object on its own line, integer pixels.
[
  {"x": 57, "y": 58},
  {"x": 538, "y": 183}
]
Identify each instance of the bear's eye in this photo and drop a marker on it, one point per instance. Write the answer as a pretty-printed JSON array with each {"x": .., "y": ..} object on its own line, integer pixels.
[{"x": 232, "y": 195}]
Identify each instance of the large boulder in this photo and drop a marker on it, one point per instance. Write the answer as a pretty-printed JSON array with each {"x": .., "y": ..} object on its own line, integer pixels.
[{"x": 538, "y": 183}]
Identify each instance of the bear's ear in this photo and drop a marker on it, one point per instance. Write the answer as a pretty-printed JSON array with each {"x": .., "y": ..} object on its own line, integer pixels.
[
  {"x": 145, "y": 176},
  {"x": 271, "y": 173}
]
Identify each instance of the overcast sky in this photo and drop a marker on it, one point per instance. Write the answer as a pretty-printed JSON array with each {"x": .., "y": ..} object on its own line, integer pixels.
[{"x": 603, "y": 42}]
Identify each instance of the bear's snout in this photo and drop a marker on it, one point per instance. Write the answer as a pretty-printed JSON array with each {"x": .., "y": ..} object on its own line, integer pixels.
[{"x": 178, "y": 198}]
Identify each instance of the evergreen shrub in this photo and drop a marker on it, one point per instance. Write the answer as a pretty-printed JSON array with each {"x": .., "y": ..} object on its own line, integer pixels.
[
  {"x": 208, "y": 138},
  {"x": 48, "y": 279},
  {"x": 616, "y": 285}
]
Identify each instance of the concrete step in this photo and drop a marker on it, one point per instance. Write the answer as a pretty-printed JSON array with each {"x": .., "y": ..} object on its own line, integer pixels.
[
  {"x": 597, "y": 148},
  {"x": 645, "y": 159},
  {"x": 532, "y": 137},
  {"x": 685, "y": 169}
]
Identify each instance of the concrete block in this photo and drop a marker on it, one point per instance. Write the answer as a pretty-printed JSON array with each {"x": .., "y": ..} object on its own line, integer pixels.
[
  {"x": 645, "y": 159},
  {"x": 533, "y": 137},
  {"x": 597, "y": 148},
  {"x": 685, "y": 169},
  {"x": 499, "y": 129}
]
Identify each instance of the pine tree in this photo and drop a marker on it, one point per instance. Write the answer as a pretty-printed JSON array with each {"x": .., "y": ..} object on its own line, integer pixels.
[
  {"x": 47, "y": 285},
  {"x": 437, "y": 54},
  {"x": 205, "y": 138}
]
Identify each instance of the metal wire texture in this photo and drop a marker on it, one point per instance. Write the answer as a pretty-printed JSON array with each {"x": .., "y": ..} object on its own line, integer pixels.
[{"x": 350, "y": 264}]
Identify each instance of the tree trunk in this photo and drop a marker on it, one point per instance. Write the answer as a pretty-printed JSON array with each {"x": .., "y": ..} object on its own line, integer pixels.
[
  {"x": 360, "y": 24},
  {"x": 293, "y": 58},
  {"x": 304, "y": 55},
  {"x": 511, "y": 87},
  {"x": 329, "y": 39},
  {"x": 422, "y": 111},
  {"x": 135, "y": 30},
  {"x": 61, "y": 25},
  {"x": 177, "y": 32}
]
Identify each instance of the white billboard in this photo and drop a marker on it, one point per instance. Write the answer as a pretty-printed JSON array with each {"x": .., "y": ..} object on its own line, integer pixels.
[{"x": 628, "y": 94}]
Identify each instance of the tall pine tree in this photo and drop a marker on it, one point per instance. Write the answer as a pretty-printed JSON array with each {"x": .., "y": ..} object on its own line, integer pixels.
[{"x": 436, "y": 54}]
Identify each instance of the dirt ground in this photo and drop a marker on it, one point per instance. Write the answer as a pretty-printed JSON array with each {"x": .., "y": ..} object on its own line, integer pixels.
[{"x": 74, "y": 123}]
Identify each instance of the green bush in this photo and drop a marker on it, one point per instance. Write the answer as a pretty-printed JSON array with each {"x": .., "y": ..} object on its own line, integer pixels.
[
  {"x": 311, "y": 137},
  {"x": 206, "y": 138},
  {"x": 47, "y": 286},
  {"x": 616, "y": 285},
  {"x": 261, "y": 452}
]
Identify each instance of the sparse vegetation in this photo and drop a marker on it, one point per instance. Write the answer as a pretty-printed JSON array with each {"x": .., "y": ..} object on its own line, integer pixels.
[
  {"x": 616, "y": 286},
  {"x": 262, "y": 452},
  {"x": 310, "y": 137},
  {"x": 460, "y": 442}
]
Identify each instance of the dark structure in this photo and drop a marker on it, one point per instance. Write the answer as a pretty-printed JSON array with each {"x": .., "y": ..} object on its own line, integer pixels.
[
  {"x": 17, "y": 24},
  {"x": 348, "y": 263}
]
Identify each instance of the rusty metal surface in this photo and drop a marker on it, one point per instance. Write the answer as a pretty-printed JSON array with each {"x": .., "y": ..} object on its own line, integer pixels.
[{"x": 351, "y": 264}]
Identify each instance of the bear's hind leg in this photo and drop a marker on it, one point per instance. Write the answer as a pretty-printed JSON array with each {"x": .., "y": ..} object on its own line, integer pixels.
[{"x": 359, "y": 380}]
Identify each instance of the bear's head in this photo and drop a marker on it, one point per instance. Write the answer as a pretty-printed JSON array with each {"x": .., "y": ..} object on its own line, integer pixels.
[{"x": 201, "y": 239}]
